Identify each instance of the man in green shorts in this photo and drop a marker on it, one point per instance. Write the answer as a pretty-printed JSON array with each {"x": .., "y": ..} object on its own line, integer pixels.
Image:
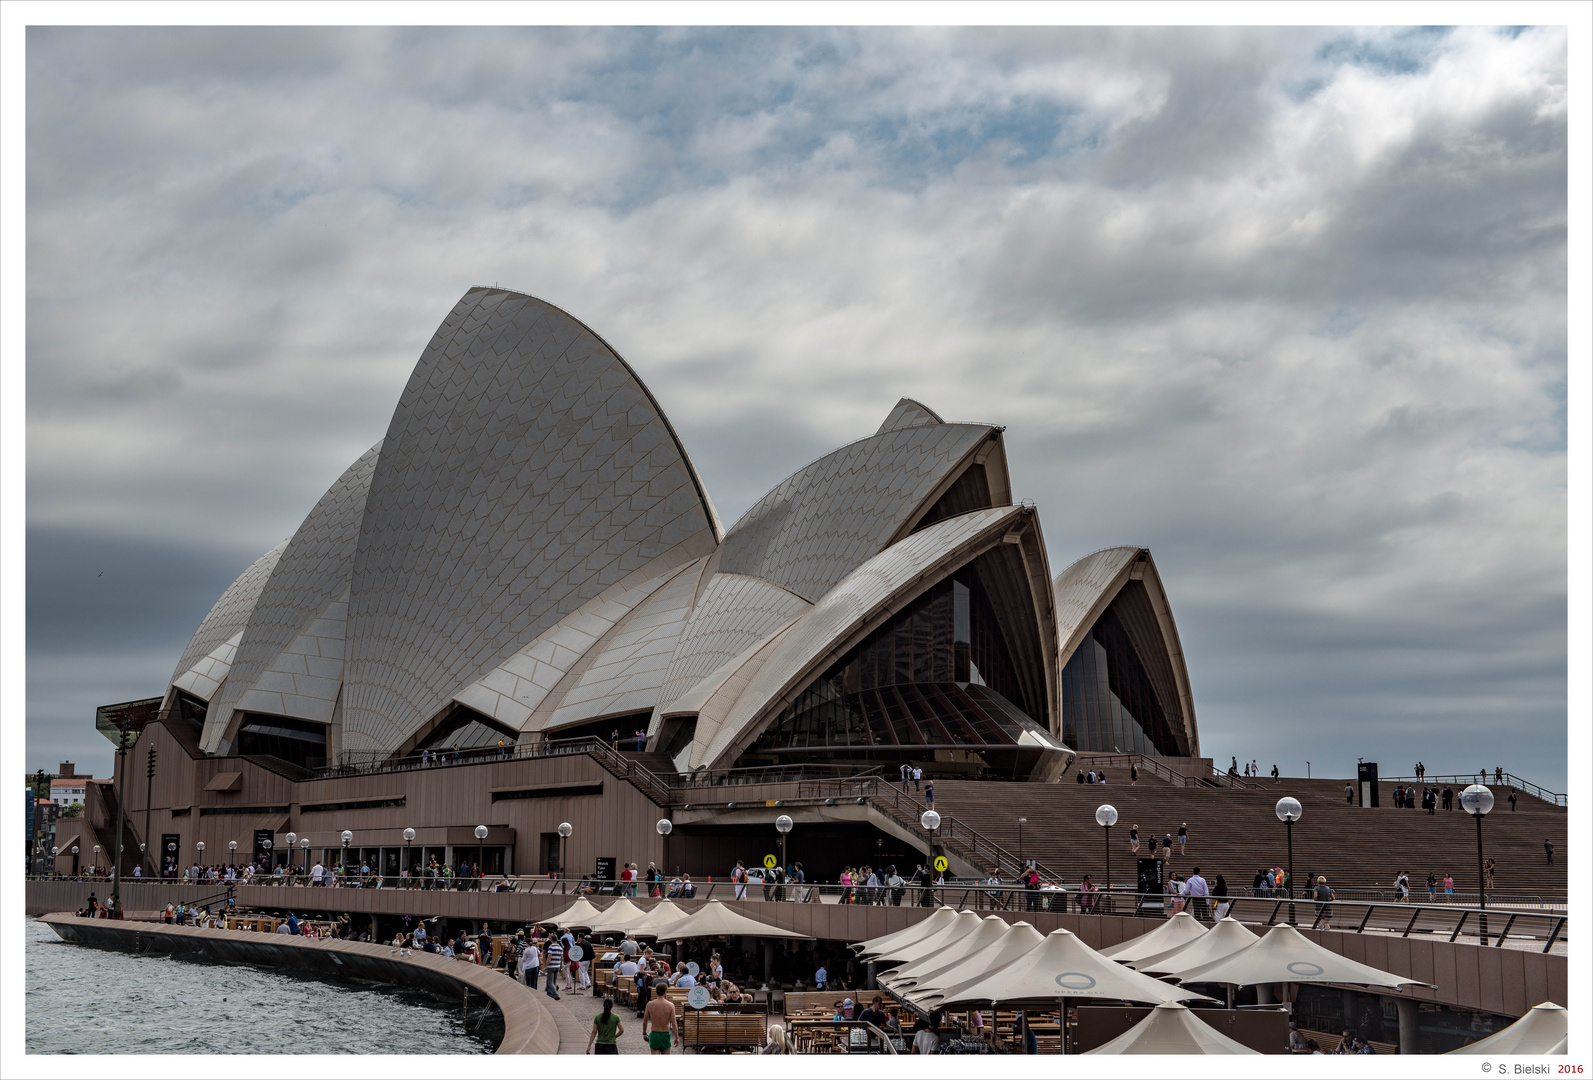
[{"x": 658, "y": 1022}]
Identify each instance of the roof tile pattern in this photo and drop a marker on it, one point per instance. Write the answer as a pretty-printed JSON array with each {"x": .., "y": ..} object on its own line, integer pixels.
[
  {"x": 205, "y": 677},
  {"x": 626, "y": 671},
  {"x": 526, "y": 469},
  {"x": 734, "y": 613},
  {"x": 1082, "y": 589},
  {"x": 866, "y": 591},
  {"x": 312, "y": 573},
  {"x": 827, "y": 519},
  {"x": 305, "y": 678},
  {"x": 230, "y": 613}
]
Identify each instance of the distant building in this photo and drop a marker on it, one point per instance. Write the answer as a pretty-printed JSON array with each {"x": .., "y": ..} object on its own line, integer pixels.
[{"x": 68, "y": 787}]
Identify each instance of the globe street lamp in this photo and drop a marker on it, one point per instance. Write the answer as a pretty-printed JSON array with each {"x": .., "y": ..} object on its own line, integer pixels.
[
  {"x": 74, "y": 860},
  {"x": 199, "y": 847},
  {"x": 782, "y": 825},
  {"x": 348, "y": 838},
  {"x": 1477, "y": 800},
  {"x": 290, "y": 838},
  {"x": 304, "y": 846},
  {"x": 1288, "y": 811},
  {"x": 565, "y": 829},
  {"x": 171, "y": 846},
  {"x": 930, "y": 821},
  {"x": 481, "y": 836},
  {"x": 54, "y": 851},
  {"x": 1106, "y": 817},
  {"x": 96, "y": 855},
  {"x": 664, "y": 827},
  {"x": 232, "y": 852},
  {"x": 265, "y": 845},
  {"x": 409, "y": 838}
]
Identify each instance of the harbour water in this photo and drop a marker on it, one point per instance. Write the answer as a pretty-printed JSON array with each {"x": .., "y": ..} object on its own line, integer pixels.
[{"x": 83, "y": 1000}]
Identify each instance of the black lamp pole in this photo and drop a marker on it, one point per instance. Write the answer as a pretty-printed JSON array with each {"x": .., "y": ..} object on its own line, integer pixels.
[
  {"x": 149, "y": 792},
  {"x": 121, "y": 806},
  {"x": 1291, "y": 871}
]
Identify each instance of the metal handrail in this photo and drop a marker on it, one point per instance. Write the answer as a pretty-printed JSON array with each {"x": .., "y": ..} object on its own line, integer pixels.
[
  {"x": 1510, "y": 780},
  {"x": 1177, "y": 779}
]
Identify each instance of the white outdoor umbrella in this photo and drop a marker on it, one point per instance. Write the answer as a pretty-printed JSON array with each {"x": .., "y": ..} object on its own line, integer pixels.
[
  {"x": 1542, "y": 1031},
  {"x": 580, "y": 913},
  {"x": 966, "y": 922},
  {"x": 1285, "y": 955},
  {"x": 662, "y": 914},
  {"x": 989, "y": 931},
  {"x": 1020, "y": 940},
  {"x": 1222, "y": 940},
  {"x": 1172, "y": 1029},
  {"x": 1179, "y": 930},
  {"x": 618, "y": 917},
  {"x": 936, "y": 922},
  {"x": 713, "y": 919},
  {"x": 1062, "y": 966}
]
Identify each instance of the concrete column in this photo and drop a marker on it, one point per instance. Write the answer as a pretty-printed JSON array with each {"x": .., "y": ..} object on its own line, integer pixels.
[
  {"x": 768, "y": 960},
  {"x": 1407, "y": 1025},
  {"x": 872, "y": 983}
]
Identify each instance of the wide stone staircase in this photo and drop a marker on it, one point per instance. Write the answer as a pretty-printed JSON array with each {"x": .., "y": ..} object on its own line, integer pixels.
[{"x": 1235, "y": 832}]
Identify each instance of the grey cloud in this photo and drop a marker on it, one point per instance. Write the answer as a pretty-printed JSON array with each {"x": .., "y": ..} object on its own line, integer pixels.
[{"x": 1286, "y": 305}]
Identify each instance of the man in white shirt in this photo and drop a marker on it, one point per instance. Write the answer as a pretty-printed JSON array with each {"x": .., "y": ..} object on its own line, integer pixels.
[
  {"x": 918, "y": 774},
  {"x": 1196, "y": 890},
  {"x": 317, "y": 872},
  {"x": 627, "y": 966}
]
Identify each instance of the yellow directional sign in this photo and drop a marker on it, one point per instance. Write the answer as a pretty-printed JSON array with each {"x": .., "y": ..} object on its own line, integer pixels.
[
  {"x": 769, "y": 861},
  {"x": 940, "y": 864}
]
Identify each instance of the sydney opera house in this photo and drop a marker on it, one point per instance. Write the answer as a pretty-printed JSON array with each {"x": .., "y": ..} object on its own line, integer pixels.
[{"x": 528, "y": 558}]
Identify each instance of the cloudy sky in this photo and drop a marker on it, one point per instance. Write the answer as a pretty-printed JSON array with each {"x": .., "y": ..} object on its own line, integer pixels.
[{"x": 1288, "y": 307}]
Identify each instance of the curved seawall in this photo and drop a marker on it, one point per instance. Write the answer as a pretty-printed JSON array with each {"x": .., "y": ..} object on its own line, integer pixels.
[{"x": 529, "y": 1026}]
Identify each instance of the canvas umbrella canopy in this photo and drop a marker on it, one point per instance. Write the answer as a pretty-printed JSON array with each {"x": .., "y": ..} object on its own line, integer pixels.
[
  {"x": 580, "y": 913},
  {"x": 1222, "y": 940},
  {"x": 965, "y": 922},
  {"x": 1285, "y": 955},
  {"x": 618, "y": 917},
  {"x": 1062, "y": 966},
  {"x": 663, "y": 913},
  {"x": 916, "y": 932},
  {"x": 1179, "y": 930},
  {"x": 714, "y": 919},
  {"x": 1542, "y": 1031},
  {"x": 1172, "y": 1029},
  {"x": 989, "y": 931},
  {"x": 1020, "y": 940}
]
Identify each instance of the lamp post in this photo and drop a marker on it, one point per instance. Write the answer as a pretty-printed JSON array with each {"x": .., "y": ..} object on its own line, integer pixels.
[
  {"x": 1288, "y": 811},
  {"x": 149, "y": 795},
  {"x": 782, "y": 825},
  {"x": 664, "y": 828},
  {"x": 565, "y": 829},
  {"x": 54, "y": 851},
  {"x": 121, "y": 805},
  {"x": 1477, "y": 800},
  {"x": 266, "y": 844},
  {"x": 930, "y": 821},
  {"x": 1106, "y": 817},
  {"x": 37, "y": 837},
  {"x": 97, "y": 856},
  {"x": 199, "y": 847},
  {"x": 290, "y": 838},
  {"x": 74, "y": 860},
  {"x": 342, "y": 866},
  {"x": 1021, "y": 864},
  {"x": 481, "y": 836},
  {"x": 409, "y": 838},
  {"x": 171, "y": 848},
  {"x": 304, "y": 846}
]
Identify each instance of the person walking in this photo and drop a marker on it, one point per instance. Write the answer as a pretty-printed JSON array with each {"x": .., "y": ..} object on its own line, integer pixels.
[
  {"x": 554, "y": 963},
  {"x": 1133, "y": 840},
  {"x": 1449, "y": 887},
  {"x": 738, "y": 878},
  {"x": 1167, "y": 846},
  {"x": 918, "y": 774},
  {"x": 907, "y": 775},
  {"x": 1512, "y": 800},
  {"x": 658, "y": 1021},
  {"x": 1487, "y": 874},
  {"x": 1432, "y": 887},
  {"x": 1183, "y": 838},
  {"x": 606, "y": 1027},
  {"x": 1349, "y": 793},
  {"x": 1324, "y": 905},
  {"x": 929, "y": 794},
  {"x": 1133, "y": 774},
  {"x": 1196, "y": 890},
  {"x": 530, "y": 963},
  {"x": 1548, "y": 850},
  {"x": 1276, "y": 779},
  {"x": 1449, "y": 797}
]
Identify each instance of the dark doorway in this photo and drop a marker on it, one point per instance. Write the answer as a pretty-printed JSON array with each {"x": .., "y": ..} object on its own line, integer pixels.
[{"x": 550, "y": 852}]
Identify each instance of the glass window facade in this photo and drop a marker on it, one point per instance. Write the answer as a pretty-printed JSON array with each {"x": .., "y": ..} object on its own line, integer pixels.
[
  {"x": 298, "y": 742},
  {"x": 941, "y": 681},
  {"x": 1118, "y": 690}
]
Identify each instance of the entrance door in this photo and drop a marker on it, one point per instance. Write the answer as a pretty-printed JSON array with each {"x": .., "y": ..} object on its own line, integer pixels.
[{"x": 550, "y": 852}]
